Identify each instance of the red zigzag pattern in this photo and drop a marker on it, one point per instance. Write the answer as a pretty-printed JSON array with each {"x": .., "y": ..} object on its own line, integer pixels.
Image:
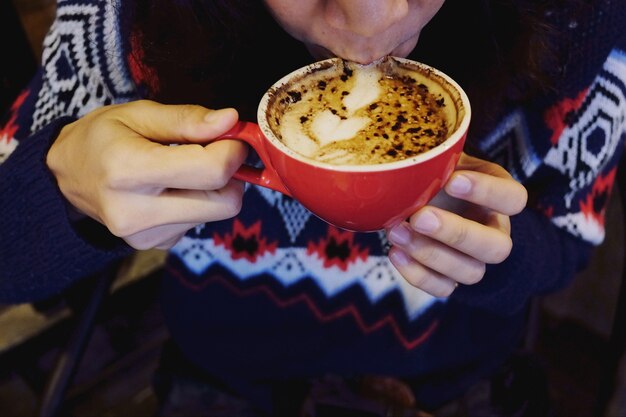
[{"x": 349, "y": 310}]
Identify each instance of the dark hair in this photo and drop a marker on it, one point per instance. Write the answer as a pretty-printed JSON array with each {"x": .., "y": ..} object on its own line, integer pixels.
[
  {"x": 214, "y": 52},
  {"x": 228, "y": 52}
]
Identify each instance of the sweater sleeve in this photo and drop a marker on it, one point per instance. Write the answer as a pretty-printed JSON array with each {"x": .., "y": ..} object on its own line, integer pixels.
[
  {"x": 41, "y": 252},
  {"x": 544, "y": 260},
  {"x": 84, "y": 66},
  {"x": 565, "y": 148}
]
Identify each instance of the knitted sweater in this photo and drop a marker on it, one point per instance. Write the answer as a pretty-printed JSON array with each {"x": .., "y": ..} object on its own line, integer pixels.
[{"x": 276, "y": 292}]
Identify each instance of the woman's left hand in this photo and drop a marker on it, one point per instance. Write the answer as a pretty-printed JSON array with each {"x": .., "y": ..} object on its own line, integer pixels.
[{"x": 464, "y": 228}]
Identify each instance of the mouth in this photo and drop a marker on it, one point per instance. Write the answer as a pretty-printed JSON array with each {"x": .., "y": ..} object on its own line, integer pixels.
[
  {"x": 402, "y": 50},
  {"x": 319, "y": 52}
]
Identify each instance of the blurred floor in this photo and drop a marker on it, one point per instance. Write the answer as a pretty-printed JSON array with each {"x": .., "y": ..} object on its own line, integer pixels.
[
  {"x": 114, "y": 378},
  {"x": 115, "y": 373}
]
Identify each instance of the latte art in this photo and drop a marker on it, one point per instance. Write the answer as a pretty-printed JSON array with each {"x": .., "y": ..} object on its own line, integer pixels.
[{"x": 360, "y": 114}]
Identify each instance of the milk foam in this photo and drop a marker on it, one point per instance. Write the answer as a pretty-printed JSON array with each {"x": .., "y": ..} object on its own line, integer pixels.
[
  {"x": 365, "y": 89},
  {"x": 328, "y": 127},
  {"x": 359, "y": 115}
]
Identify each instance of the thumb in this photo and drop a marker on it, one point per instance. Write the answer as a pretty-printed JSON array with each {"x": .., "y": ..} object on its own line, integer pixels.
[{"x": 182, "y": 123}]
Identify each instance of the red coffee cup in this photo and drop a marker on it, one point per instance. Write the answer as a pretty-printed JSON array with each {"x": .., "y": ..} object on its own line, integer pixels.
[{"x": 361, "y": 198}]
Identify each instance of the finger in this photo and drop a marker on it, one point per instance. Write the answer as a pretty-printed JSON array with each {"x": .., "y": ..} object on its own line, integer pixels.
[
  {"x": 131, "y": 214},
  {"x": 497, "y": 221},
  {"x": 437, "y": 256},
  {"x": 485, "y": 243},
  {"x": 177, "y": 123},
  {"x": 486, "y": 217},
  {"x": 198, "y": 206},
  {"x": 504, "y": 195},
  {"x": 192, "y": 167},
  {"x": 419, "y": 276},
  {"x": 471, "y": 163},
  {"x": 169, "y": 244},
  {"x": 161, "y": 237}
]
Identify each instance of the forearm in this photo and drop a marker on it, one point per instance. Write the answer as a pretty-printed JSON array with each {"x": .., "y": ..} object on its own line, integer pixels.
[
  {"x": 41, "y": 251},
  {"x": 544, "y": 258}
]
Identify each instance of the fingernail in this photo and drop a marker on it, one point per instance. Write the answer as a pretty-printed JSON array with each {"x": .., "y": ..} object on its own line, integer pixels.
[
  {"x": 398, "y": 257},
  {"x": 460, "y": 184},
  {"x": 399, "y": 235},
  {"x": 426, "y": 222},
  {"x": 213, "y": 116}
]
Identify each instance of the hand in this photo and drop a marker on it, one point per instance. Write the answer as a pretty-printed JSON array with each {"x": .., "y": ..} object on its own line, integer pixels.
[
  {"x": 115, "y": 166},
  {"x": 463, "y": 228}
]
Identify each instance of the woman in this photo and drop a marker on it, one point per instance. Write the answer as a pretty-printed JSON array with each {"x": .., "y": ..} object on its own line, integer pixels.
[{"x": 258, "y": 293}]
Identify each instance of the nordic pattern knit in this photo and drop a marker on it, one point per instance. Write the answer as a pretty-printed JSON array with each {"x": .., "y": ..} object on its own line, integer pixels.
[{"x": 276, "y": 292}]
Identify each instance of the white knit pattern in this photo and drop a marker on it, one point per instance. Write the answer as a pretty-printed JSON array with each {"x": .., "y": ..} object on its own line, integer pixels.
[
  {"x": 579, "y": 156},
  {"x": 79, "y": 73},
  {"x": 376, "y": 275}
]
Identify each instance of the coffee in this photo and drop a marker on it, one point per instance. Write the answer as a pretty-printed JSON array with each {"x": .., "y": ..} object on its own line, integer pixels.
[
  {"x": 358, "y": 191},
  {"x": 363, "y": 114}
]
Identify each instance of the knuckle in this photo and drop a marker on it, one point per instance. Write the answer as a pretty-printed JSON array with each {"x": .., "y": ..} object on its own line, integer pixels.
[
  {"x": 119, "y": 168},
  {"x": 459, "y": 236},
  {"x": 229, "y": 203},
  {"x": 102, "y": 124},
  {"x": 118, "y": 227},
  {"x": 118, "y": 224},
  {"x": 183, "y": 112},
  {"x": 111, "y": 173},
  {"x": 115, "y": 175},
  {"x": 218, "y": 179},
  {"x": 101, "y": 115},
  {"x": 219, "y": 175},
  {"x": 419, "y": 280},
  {"x": 141, "y": 104},
  {"x": 427, "y": 254}
]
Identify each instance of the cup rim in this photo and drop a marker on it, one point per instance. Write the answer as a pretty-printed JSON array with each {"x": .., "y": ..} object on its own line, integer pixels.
[{"x": 458, "y": 134}]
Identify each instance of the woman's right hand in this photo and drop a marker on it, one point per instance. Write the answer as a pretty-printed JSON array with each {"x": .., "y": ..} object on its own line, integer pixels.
[{"x": 115, "y": 166}]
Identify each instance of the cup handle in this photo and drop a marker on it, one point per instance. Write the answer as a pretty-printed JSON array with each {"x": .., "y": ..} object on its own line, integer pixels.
[{"x": 265, "y": 177}]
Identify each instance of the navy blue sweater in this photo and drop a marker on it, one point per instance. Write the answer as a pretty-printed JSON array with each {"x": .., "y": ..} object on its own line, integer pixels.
[{"x": 277, "y": 293}]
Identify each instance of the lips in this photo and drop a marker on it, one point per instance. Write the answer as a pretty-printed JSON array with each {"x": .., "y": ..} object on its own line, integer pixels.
[
  {"x": 320, "y": 52},
  {"x": 402, "y": 50}
]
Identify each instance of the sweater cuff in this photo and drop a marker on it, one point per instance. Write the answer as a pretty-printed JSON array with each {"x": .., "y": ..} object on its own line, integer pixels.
[
  {"x": 42, "y": 253},
  {"x": 543, "y": 259}
]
